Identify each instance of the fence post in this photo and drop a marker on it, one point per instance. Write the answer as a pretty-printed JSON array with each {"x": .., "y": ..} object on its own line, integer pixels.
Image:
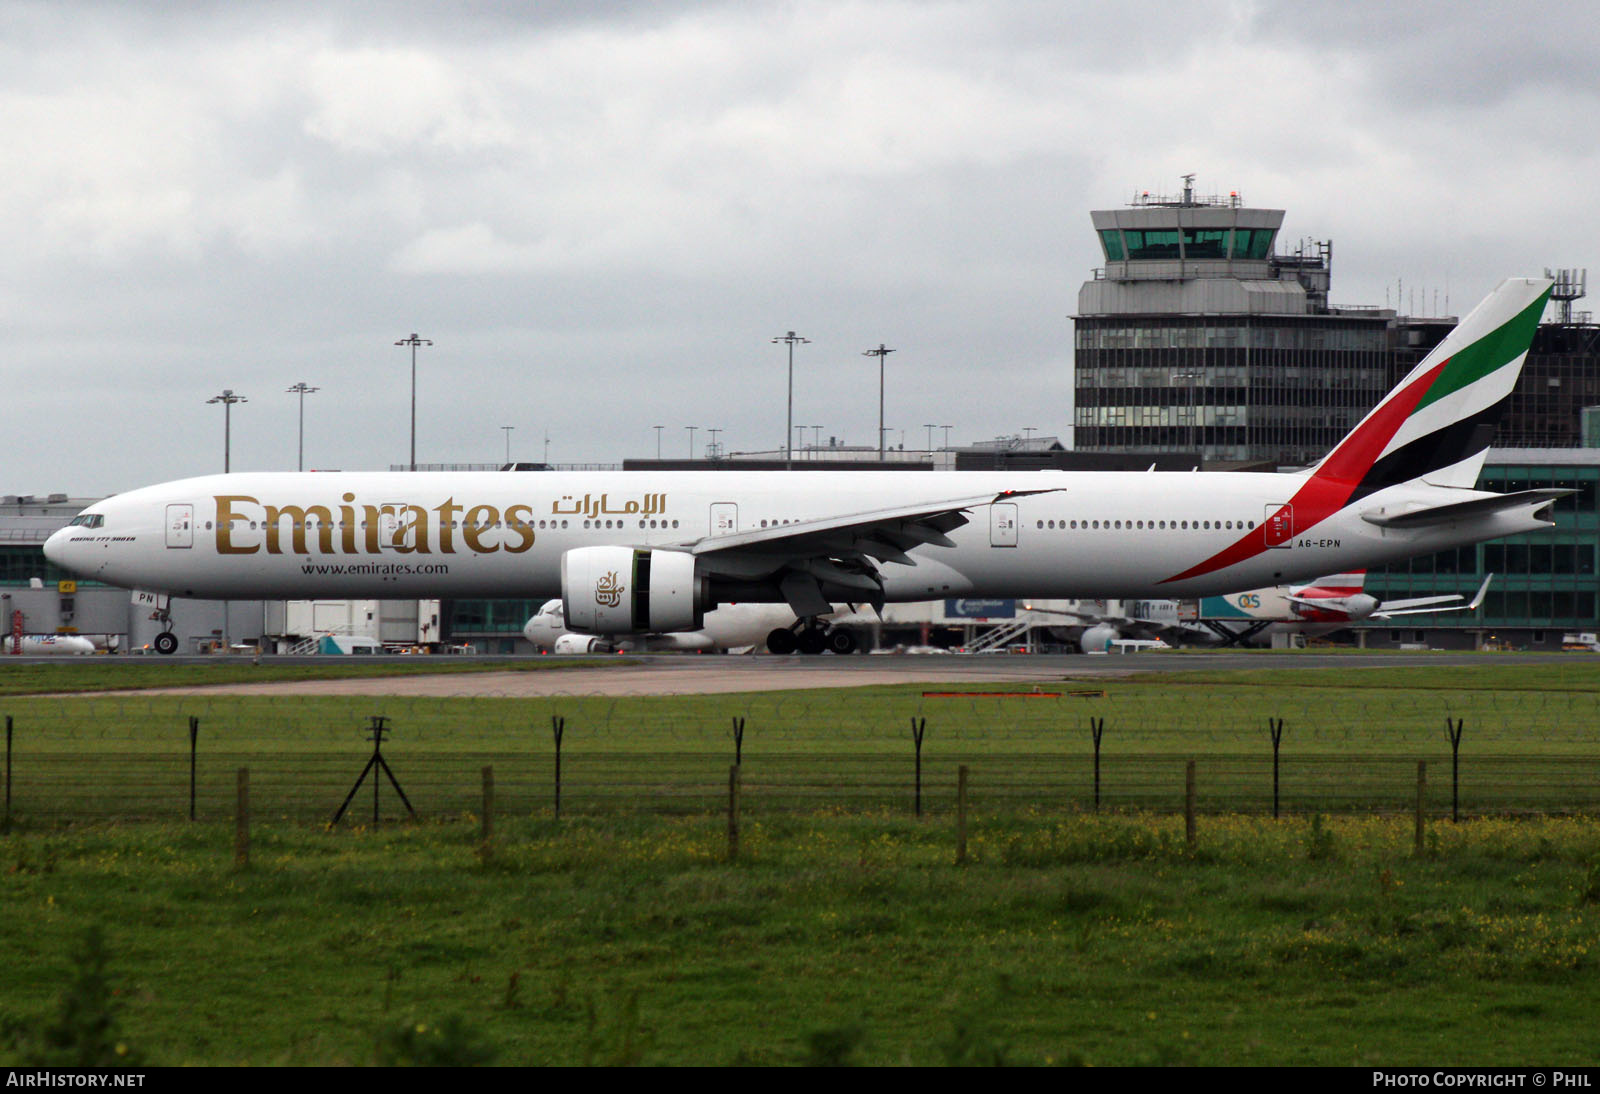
[
  {"x": 1454, "y": 728},
  {"x": 738, "y": 740},
  {"x": 558, "y": 728},
  {"x": 488, "y": 806},
  {"x": 5, "y": 824},
  {"x": 733, "y": 813},
  {"x": 1422, "y": 788},
  {"x": 1097, "y": 726},
  {"x": 1188, "y": 803},
  {"x": 961, "y": 814},
  {"x": 1275, "y": 727},
  {"x": 919, "y": 726},
  {"x": 194, "y": 742},
  {"x": 241, "y": 821}
]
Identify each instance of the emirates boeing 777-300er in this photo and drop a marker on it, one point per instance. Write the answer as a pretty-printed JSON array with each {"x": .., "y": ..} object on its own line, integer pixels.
[{"x": 649, "y": 551}]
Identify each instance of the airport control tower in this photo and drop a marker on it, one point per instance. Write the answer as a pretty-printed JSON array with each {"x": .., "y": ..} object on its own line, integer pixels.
[{"x": 1197, "y": 335}]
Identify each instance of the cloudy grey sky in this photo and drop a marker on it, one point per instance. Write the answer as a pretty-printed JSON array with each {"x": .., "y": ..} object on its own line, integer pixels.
[{"x": 602, "y": 213}]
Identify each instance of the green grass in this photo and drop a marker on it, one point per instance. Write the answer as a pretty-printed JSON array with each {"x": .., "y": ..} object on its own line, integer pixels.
[
  {"x": 619, "y": 934},
  {"x": 1066, "y": 938}
]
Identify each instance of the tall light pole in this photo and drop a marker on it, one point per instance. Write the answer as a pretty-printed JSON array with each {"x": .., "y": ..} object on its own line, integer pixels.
[
  {"x": 658, "y": 429},
  {"x": 930, "y": 427},
  {"x": 508, "y": 429},
  {"x": 414, "y": 342},
  {"x": 302, "y": 389},
  {"x": 880, "y": 353},
  {"x": 691, "y": 429},
  {"x": 713, "y": 451},
  {"x": 227, "y": 399},
  {"x": 788, "y": 426}
]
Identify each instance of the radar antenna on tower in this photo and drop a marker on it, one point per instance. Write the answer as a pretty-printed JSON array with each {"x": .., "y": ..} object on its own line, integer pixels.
[{"x": 1570, "y": 285}]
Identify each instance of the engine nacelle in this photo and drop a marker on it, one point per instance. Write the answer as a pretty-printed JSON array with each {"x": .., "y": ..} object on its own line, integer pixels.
[
  {"x": 579, "y": 643},
  {"x": 620, "y": 590}
]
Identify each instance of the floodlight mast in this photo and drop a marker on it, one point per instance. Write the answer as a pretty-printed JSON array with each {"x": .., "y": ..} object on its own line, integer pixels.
[
  {"x": 227, "y": 398},
  {"x": 302, "y": 389},
  {"x": 788, "y": 426},
  {"x": 414, "y": 342}
]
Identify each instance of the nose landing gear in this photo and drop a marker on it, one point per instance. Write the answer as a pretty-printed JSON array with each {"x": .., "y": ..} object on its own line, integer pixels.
[{"x": 166, "y": 642}]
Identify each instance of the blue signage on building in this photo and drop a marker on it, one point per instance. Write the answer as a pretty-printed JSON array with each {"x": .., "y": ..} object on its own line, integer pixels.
[{"x": 980, "y": 609}]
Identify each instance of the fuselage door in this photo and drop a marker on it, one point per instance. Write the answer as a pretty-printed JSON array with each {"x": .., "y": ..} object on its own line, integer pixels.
[
  {"x": 180, "y": 525},
  {"x": 1277, "y": 524},
  {"x": 724, "y": 518},
  {"x": 389, "y": 526},
  {"x": 1003, "y": 524}
]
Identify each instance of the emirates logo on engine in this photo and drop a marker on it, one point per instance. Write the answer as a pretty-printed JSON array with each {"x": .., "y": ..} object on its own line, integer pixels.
[{"x": 607, "y": 591}]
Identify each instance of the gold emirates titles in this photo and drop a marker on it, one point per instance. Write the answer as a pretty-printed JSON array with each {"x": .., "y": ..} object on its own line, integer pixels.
[{"x": 401, "y": 527}]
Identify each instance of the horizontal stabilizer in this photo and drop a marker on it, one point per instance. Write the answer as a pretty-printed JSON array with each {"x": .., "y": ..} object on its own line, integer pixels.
[{"x": 1462, "y": 510}]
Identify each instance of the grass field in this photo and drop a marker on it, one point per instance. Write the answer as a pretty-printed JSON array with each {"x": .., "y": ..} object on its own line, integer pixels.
[{"x": 845, "y": 931}]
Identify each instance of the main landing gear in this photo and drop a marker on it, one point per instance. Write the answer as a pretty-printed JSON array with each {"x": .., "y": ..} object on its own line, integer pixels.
[{"x": 811, "y": 636}]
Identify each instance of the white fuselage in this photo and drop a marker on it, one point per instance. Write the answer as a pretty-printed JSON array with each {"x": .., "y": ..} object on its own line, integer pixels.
[{"x": 503, "y": 534}]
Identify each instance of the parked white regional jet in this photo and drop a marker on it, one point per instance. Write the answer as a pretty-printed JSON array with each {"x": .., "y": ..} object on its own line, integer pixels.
[
  {"x": 1327, "y": 604},
  {"x": 50, "y": 645},
  {"x": 654, "y": 551}
]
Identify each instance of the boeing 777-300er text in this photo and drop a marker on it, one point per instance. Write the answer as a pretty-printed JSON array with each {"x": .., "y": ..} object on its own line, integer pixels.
[{"x": 648, "y": 551}]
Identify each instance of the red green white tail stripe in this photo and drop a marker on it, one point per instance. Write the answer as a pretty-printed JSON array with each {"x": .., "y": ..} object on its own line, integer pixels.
[{"x": 1436, "y": 426}]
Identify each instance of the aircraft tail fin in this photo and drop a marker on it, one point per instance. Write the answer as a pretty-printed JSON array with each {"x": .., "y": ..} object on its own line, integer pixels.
[
  {"x": 1438, "y": 423},
  {"x": 1346, "y": 584}
]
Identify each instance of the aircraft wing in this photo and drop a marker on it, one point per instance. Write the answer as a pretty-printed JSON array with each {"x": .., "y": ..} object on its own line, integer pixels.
[
  {"x": 1087, "y": 617},
  {"x": 1418, "y": 606},
  {"x": 818, "y": 562}
]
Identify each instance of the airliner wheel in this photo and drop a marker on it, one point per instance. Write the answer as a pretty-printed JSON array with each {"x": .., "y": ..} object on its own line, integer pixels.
[
  {"x": 166, "y": 643},
  {"x": 813, "y": 640},
  {"x": 781, "y": 641},
  {"x": 841, "y": 641}
]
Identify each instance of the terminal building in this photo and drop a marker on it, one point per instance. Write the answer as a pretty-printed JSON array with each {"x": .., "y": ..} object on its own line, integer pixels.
[{"x": 1546, "y": 584}]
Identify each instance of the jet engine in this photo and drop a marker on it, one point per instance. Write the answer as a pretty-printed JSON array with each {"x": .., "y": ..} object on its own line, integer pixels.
[
  {"x": 580, "y": 643},
  {"x": 621, "y": 590},
  {"x": 1098, "y": 638}
]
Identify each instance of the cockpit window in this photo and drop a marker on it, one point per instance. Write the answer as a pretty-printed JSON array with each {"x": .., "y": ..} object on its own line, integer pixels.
[{"x": 87, "y": 520}]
